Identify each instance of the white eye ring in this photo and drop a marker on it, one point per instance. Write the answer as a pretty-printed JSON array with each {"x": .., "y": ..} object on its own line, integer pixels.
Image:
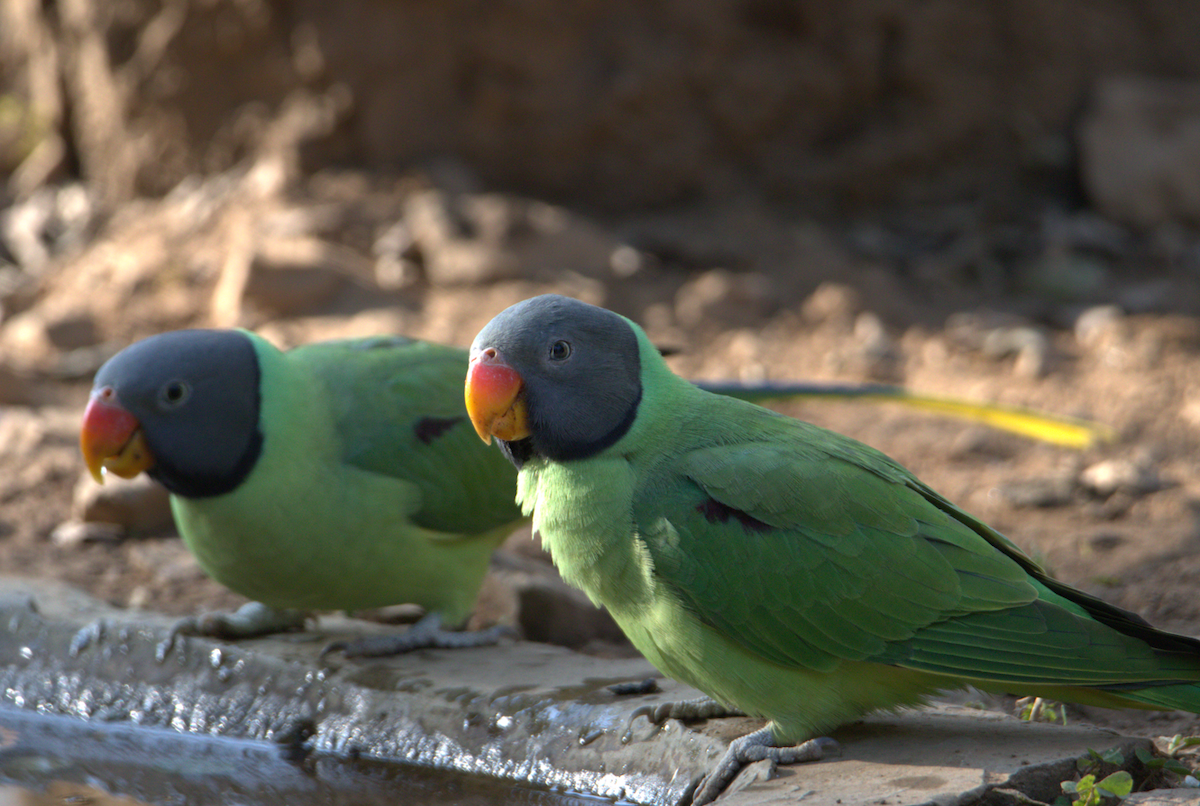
[{"x": 560, "y": 351}]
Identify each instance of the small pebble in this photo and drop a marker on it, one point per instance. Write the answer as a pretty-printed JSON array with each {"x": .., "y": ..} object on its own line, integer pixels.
[
  {"x": 1133, "y": 477},
  {"x": 1095, "y": 325},
  {"x": 73, "y": 533}
]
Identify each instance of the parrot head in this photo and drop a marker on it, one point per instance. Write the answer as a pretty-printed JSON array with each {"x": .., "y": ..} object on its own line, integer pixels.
[
  {"x": 182, "y": 407},
  {"x": 554, "y": 377}
]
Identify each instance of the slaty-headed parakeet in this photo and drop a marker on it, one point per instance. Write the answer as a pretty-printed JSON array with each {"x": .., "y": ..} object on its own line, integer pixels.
[
  {"x": 339, "y": 475},
  {"x": 786, "y": 571}
]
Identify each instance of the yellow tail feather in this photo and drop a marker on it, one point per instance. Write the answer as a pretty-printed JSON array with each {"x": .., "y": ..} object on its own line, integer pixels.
[{"x": 1069, "y": 432}]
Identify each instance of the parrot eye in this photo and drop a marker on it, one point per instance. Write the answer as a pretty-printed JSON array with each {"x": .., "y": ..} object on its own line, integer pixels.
[
  {"x": 173, "y": 394},
  {"x": 560, "y": 351}
]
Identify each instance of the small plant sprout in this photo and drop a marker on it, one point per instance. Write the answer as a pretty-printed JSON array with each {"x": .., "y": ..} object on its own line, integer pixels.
[
  {"x": 1166, "y": 767},
  {"x": 1036, "y": 709},
  {"x": 1088, "y": 791}
]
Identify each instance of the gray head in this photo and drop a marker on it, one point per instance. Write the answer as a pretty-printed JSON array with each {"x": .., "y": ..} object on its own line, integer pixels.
[
  {"x": 579, "y": 376},
  {"x": 194, "y": 396}
]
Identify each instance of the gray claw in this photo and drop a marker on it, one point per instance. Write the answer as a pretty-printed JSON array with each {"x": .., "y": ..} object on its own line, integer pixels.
[
  {"x": 699, "y": 708},
  {"x": 248, "y": 621},
  {"x": 87, "y": 636},
  {"x": 754, "y": 747},
  {"x": 426, "y": 633}
]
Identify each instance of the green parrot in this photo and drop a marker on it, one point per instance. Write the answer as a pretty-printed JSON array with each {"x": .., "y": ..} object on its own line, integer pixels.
[
  {"x": 335, "y": 476},
  {"x": 339, "y": 475},
  {"x": 784, "y": 570}
]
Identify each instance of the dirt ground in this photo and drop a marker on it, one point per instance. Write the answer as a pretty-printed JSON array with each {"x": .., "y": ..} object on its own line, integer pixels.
[{"x": 1119, "y": 519}]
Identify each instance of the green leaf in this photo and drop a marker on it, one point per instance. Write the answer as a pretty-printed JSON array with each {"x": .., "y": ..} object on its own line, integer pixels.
[
  {"x": 1120, "y": 783},
  {"x": 1159, "y": 763},
  {"x": 1178, "y": 742},
  {"x": 1094, "y": 759},
  {"x": 1176, "y": 766}
]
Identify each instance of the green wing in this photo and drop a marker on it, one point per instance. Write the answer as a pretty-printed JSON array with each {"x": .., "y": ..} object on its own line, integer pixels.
[
  {"x": 400, "y": 412},
  {"x": 807, "y": 547}
]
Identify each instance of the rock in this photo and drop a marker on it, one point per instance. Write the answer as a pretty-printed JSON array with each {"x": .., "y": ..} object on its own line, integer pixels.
[
  {"x": 753, "y": 773},
  {"x": 137, "y": 506},
  {"x": 1189, "y": 795},
  {"x": 296, "y": 275},
  {"x": 723, "y": 296},
  {"x": 24, "y": 343},
  {"x": 29, "y": 229},
  {"x": 1099, "y": 325},
  {"x": 1106, "y": 541},
  {"x": 1030, "y": 345},
  {"x": 554, "y": 239},
  {"x": 73, "y": 533},
  {"x": 72, "y": 330},
  {"x": 472, "y": 239},
  {"x": 1139, "y": 146},
  {"x": 627, "y": 261},
  {"x": 1132, "y": 476},
  {"x": 449, "y": 251},
  {"x": 832, "y": 304},
  {"x": 968, "y": 330},
  {"x": 395, "y": 250},
  {"x": 542, "y": 711},
  {"x": 875, "y": 350}
]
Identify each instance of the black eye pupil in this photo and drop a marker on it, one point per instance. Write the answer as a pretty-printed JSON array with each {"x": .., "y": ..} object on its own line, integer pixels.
[
  {"x": 559, "y": 350},
  {"x": 174, "y": 392}
]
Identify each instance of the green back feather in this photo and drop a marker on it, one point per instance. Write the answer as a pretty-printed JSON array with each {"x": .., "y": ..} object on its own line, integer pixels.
[{"x": 398, "y": 405}]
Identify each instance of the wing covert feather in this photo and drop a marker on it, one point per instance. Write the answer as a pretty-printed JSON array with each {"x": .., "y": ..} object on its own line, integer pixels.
[
  {"x": 809, "y": 548},
  {"x": 415, "y": 428}
]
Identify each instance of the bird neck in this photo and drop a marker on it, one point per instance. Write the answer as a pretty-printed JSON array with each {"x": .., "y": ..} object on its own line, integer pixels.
[{"x": 294, "y": 418}]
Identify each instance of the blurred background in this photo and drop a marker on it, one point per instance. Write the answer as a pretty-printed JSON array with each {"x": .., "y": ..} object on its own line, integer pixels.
[{"x": 996, "y": 200}]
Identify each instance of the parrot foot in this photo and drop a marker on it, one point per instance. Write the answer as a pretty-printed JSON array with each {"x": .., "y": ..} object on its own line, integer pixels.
[
  {"x": 754, "y": 747},
  {"x": 88, "y": 635},
  {"x": 699, "y": 708},
  {"x": 426, "y": 633},
  {"x": 248, "y": 621}
]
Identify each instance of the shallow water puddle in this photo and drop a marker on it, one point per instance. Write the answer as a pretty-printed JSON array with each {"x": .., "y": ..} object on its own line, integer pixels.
[{"x": 60, "y": 760}]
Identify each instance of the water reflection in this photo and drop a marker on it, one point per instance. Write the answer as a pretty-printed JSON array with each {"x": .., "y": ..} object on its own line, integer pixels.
[{"x": 56, "y": 760}]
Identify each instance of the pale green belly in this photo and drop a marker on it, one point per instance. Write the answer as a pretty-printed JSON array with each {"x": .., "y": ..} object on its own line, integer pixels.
[
  {"x": 300, "y": 558},
  {"x": 801, "y": 703}
]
